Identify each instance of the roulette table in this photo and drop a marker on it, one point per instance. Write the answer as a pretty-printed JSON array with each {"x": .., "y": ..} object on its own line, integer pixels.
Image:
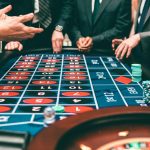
[
  {"x": 105, "y": 129},
  {"x": 33, "y": 80}
]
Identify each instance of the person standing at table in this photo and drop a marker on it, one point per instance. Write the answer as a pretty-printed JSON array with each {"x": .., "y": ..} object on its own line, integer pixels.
[
  {"x": 13, "y": 28},
  {"x": 139, "y": 43},
  {"x": 52, "y": 15},
  {"x": 96, "y": 22}
]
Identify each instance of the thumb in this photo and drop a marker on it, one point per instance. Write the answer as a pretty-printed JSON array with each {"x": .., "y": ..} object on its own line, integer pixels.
[{"x": 6, "y": 9}]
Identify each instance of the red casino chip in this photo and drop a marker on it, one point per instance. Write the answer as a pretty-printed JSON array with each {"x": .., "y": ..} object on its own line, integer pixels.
[
  {"x": 77, "y": 109},
  {"x": 38, "y": 101},
  {"x": 9, "y": 94},
  {"x": 48, "y": 69},
  {"x": 76, "y": 94},
  {"x": 50, "y": 60},
  {"x": 73, "y": 58},
  {"x": 75, "y": 77},
  {"x": 11, "y": 87},
  {"x": 26, "y": 63},
  {"x": 16, "y": 77},
  {"x": 20, "y": 73},
  {"x": 74, "y": 66},
  {"x": 44, "y": 82},
  {"x": 148, "y": 145},
  {"x": 24, "y": 66},
  {"x": 4, "y": 109},
  {"x": 30, "y": 58},
  {"x": 75, "y": 73}
]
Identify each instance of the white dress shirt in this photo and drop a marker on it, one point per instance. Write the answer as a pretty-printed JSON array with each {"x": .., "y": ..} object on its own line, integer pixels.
[
  {"x": 93, "y": 3},
  {"x": 141, "y": 10},
  {"x": 36, "y": 10}
]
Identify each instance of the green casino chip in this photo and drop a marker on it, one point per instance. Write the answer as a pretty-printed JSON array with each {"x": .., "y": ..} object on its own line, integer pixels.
[
  {"x": 135, "y": 145},
  {"x": 136, "y": 65},
  {"x": 136, "y": 78},
  {"x": 58, "y": 108},
  {"x": 137, "y": 71},
  {"x": 146, "y": 82},
  {"x": 135, "y": 68}
]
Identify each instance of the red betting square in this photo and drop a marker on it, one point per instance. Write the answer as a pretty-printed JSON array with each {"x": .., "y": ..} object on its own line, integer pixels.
[{"x": 123, "y": 80}]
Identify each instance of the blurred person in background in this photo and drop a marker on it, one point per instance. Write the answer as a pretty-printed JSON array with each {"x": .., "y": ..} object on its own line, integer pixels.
[{"x": 52, "y": 15}]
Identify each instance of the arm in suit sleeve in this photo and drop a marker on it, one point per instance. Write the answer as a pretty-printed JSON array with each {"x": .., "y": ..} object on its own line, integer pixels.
[
  {"x": 145, "y": 36},
  {"x": 74, "y": 32},
  {"x": 65, "y": 13},
  {"x": 145, "y": 39},
  {"x": 121, "y": 28}
]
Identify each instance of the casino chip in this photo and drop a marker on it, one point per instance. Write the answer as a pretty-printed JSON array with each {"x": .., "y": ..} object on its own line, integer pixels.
[
  {"x": 136, "y": 72},
  {"x": 49, "y": 116},
  {"x": 58, "y": 108},
  {"x": 146, "y": 92}
]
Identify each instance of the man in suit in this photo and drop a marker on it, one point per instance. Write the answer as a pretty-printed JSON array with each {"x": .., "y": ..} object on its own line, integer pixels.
[
  {"x": 141, "y": 33},
  {"x": 97, "y": 22},
  {"x": 52, "y": 15},
  {"x": 12, "y": 28},
  {"x": 139, "y": 44}
]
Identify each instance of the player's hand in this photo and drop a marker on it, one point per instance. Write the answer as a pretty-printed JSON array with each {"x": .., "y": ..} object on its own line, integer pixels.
[
  {"x": 85, "y": 44},
  {"x": 5, "y": 10},
  {"x": 125, "y": 48},
  {"x": 14, "y": 45},
  {"x": 80, "y": 43},
  {"x": 115, "y": 43},
  {"x": 12, "y": 28},
  {"x": 88, "y": 42},
  {"x": 57, "y": 41}
]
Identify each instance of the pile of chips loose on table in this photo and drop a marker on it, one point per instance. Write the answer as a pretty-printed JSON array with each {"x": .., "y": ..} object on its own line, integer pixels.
[
  {"x": 136, "y": 72},
  {"x": 146, "y": 92}
]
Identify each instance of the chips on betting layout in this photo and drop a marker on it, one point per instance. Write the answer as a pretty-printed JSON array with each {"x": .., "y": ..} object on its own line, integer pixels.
[
  {"x": 49, "y": 116},
  {"x": 58, "y": 108},
  {"x": 146, "y": 91},
  {"x": 136, "y": 72}
]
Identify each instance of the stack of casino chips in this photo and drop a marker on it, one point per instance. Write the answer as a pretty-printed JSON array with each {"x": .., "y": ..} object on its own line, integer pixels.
[
  {"x": 146, "y": 92},
  {"x": 136, "y": 72}
]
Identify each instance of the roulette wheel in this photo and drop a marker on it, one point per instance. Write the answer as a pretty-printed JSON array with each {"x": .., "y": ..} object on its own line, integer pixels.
[{"x": 106, "y": 129}]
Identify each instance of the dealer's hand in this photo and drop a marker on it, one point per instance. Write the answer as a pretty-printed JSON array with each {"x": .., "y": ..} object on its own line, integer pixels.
[
  {"x": 57, "y": 41},
  {"x": 126, "y": 47}
]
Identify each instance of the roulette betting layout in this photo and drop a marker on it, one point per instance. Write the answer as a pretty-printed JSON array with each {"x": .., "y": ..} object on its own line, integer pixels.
[{"x": 31, "y": 82}]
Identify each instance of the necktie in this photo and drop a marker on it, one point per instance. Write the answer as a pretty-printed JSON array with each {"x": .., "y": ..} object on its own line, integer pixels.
[
  {"x": 44, "y": 14},
  {"x": 96, "y": 9},
  {"x": 143, "y": 16}
]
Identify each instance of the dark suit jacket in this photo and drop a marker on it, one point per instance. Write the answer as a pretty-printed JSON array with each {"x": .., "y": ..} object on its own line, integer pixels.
[
  {"x": 113, "y": 21},
  {"x": 142, "y": 53},
  {"x": 61, "y": 11},
  {"x": 145, "y": 34}
]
